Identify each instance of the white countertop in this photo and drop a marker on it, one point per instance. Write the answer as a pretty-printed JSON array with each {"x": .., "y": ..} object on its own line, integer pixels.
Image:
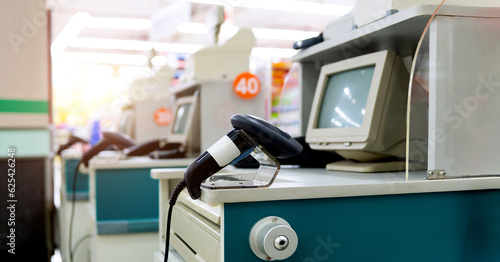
[
  {"x": 307, "y": 183},
  {"x": 137, "y": 162},
  {"x": 167, "y": 173}
]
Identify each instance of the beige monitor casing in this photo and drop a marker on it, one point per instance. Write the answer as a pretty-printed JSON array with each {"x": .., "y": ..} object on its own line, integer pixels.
[
  {"x": 191, "y": 136},
  {"x": 383, "y": 131}
]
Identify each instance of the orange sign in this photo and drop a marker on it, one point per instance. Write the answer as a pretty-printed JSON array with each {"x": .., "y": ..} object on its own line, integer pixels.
[
  {"x": 163, "y": 116},
  {"x": 246, "y": 85}
]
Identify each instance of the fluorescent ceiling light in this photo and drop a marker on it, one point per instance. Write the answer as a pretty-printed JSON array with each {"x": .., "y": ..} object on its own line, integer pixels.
[
  {"x": 177, "y": 48},
  {"x": 141, "y": 60},
  {"x": 84, "y": 42},
  {"x": 100, "y": 43},
  {"x": 279, "y": 34},
  {"x": 262, "y": 33},
  {"x": 103, "y": 43},
  {"x": 136, "y": 45},
  {"x": 75, "y": 25},
  {"x": 286, "y": 5},
  {"x": 135, "y": 71},
  {"x": 119, "y": 23},
  {"x": 273, "y": 52},
  {"x": 193, "y": 28},
  {"x": 99, "y": 58},
  {"x": 159, "y": 60},
  {"x": 81, "y": 20},
  {"x": 97, "y": 43}
]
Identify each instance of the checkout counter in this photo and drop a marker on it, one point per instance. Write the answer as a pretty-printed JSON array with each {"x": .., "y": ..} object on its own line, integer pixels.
[
  {"x": 116, "y": 207},
  {"x": 81, "y": 228},
  {"x": 445, "y": 211},
  {"x": 124, "y": 207},
  {"x": 341, "y": 216}
]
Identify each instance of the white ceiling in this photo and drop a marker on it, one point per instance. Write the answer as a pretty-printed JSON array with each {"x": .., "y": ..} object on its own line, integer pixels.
[{"x": 63, "y": 10}]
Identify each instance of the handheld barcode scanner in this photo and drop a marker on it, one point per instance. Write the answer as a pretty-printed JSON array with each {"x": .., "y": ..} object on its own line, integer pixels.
[
  {"x": 157, "y": 148},
  {"x": 121, "y": 141},
  {"x": 249, "y": 132},
  {"x": 72, "y": 140}
]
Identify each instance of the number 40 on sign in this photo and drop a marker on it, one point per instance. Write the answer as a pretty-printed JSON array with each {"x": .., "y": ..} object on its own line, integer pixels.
[{"x": 246, "y": 85}]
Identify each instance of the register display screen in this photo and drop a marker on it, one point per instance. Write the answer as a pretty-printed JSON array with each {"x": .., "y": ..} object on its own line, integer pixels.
[
  {"x": 181, "y": 118},
  {"x": 344, "y": 99}
]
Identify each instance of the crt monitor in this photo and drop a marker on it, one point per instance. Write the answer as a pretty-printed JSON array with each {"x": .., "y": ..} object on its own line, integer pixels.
[
  {"x": 359, "y": 111},
  {"x": 185, "y": 128},
  {"x": 183, "y": 135}
]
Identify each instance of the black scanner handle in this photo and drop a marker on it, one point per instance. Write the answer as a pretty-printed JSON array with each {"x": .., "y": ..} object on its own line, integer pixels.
[
  {"x": 72, "y": 140},
  {"x": 151, "y": 146},
  {"x": 143, "y": 148},
  {"x": 277, "y": 142},
  {"x": 119, "y": 140},
  {"x": 308, "y": 42}
]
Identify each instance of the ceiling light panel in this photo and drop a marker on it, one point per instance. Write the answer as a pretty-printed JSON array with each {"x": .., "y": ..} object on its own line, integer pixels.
[
  {"x": 286, "y": 5},
  {"x": 119, "y": 23}
]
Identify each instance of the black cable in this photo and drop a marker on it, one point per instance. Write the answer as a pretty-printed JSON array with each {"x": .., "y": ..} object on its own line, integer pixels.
[
  {"x": 73, "y": 202},
  {"x": 79, "y": 242},
  {"x": 173, "y": 198},
  {"x": 167, "y": 241}
]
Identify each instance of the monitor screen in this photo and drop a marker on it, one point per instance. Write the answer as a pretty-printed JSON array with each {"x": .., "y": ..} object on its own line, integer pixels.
[
  {"x": 181, "y": 119},
  {"x": 186, "y": 126},
  {"x": 344, "y": 100},
  {"x": 359, "y": 108}
]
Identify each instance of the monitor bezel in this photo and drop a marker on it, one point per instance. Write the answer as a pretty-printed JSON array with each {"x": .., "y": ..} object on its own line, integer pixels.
[
  {"x": 184, "y": 137},
  {"x": 352, "y": 137}
]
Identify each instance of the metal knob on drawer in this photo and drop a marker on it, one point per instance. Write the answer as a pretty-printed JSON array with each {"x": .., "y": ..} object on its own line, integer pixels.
[
  {"x": 281, "y": 242},
  {"x": 272, "y": 238}
]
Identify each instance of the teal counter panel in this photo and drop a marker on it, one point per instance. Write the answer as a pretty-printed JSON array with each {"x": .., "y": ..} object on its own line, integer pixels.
[
  {"x": 82, "y": 181},
  {"x": 127, "y": 226},
  {"x": 451, "y": 226},
  {"x": 126, "y": 195}
]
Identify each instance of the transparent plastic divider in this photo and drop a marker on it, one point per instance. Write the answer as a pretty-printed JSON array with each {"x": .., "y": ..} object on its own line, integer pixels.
[
  {"x": 230, "y": 177},
  {"x": 455, "y": 101},
  {"x": 417, "y": 137}
]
